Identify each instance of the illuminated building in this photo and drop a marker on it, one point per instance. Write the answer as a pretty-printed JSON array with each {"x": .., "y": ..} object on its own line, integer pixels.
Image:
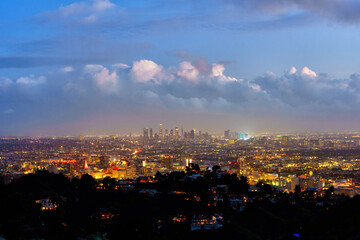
[
  {"x": 145, "y": 133},
  {"x": 53, "y": 169},
  {"x": 227, "y": 134},
  {"x": 192, "y": 134},
  {"x": 167, "y": 162},
  {"x": 284, "y": 140},
  {"x": 188, "y": 160},
  {"x": 176, "y": 133},
  {"x": 315, "y": 142},
  {"x": 241, "y": 161},
  {"x": 160, "y": 131},
  {"x": 172, "y": 133},
  {"x": 47, "y": 204},
  {"x": 307, "y": 181}
]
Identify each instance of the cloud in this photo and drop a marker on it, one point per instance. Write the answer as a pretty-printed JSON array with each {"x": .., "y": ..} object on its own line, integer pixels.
[
  {"x": 67, "y": 69},
  {"x": 299, "y": 90},
  {"x": 31, "y": 80},
  {"x": 34, "y": 61},
  {"x": 217, "y": 70},
  {"x": 147, "y": 71},
  {"x": 93, "y": 68},
  {"x": 121, "y": 66},
  {"x": 292, "y": 71},
  {"x": 85, "y": 12},
  {"x": 8, "y": 111},
  {"x": 5, "y": 82},
  {"x": 307, "y": 72},
  {"x": 188, "y": 72},
  {"x": 343, "y": 11},
  {"x": 106, "y": 89},
  {"x": 101, "y": 5},
  {"x": 106, "y": 81}
]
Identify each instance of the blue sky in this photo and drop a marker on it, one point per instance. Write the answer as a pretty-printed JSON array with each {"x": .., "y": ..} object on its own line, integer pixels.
[{"x": 102, "y": 66}]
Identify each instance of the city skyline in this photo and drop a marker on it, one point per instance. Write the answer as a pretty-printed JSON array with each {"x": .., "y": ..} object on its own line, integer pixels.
[{"x": 110, "y": 67}]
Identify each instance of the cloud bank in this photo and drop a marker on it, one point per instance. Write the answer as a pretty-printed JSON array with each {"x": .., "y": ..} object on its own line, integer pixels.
[{"x": 121, "y": 89}]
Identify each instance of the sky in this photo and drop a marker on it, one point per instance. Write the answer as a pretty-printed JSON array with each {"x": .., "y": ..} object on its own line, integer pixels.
[{"x": 115, "y": 66}]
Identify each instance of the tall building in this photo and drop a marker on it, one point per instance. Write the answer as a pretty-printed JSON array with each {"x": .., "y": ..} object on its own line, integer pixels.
[
  {"x": 227, "y": 134},
  {"x": 160, "y": 131},
  {"x": 188, "y": 160},
  {"x": 172, "y": 133},
  {"x": 146, "y": 133},
  {"x": 177, "y": 133},
  {"x": 192, "y": 134},
  {"x": 182, "y": 131},
  {"x": 151, "y": 133},
  {"x": 167, "y": 162},
  {"x": 166, "y": 133}
]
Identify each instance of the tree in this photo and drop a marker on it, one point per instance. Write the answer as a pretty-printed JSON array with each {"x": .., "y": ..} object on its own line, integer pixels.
[
  {"x": 158, "y": 176},
  {"x": 297, "y": 190},
  {"x": 216, "y": 168},
  {"x": 266, "y": 188},
  {"x": 109, "y": 183},
  {"x": 329, "y": 191}
]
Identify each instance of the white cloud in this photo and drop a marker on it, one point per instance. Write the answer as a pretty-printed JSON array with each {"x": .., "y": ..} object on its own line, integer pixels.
[
  {"x": 85, "y": 7},
  {"x": 121, "y": 65},
  {"x": 9, "y": 111},
  {"x": 308, "y": 72},
  {"x": 31, "y": 80},
  {"x": 85, "y": 12},
  {"x": 103, "y": 79},
  {"x": 292, "y": 71},
  {"x": 217, "y": 70},
  {"x": 93, "y": 67},
  {"x": 106, "y": 81},
  {"x": 92, "y": 18},
  {"x": 101, "y": 5},
  {"x": 4, "y": 82},
  {"x": 188, "y": 72},
  {"x": 146, "y": 71},
  {"x": 67, "y": 69},
  {"x": 255, "y": 87}
]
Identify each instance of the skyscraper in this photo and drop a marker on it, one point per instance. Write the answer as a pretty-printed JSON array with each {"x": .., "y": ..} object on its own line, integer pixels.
[
  {"x": 227, "y": 134},
  {"x": 151, "y": 133},
  {"x": 172, "y": 133},
  {"x": 167, "y": 162},
  {"x": 192, "y": 134},
  {"x": 176, "y": 133},
  {"x": 146, "y": 133},
  {"x": 160, "y": 131}
]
